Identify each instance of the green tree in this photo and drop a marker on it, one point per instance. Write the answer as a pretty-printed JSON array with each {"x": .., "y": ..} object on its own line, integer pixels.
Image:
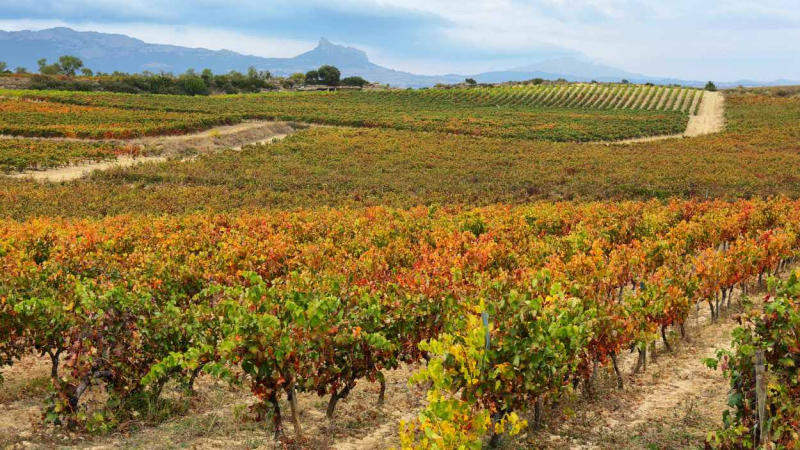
[
  {"x": 3, "y": 66},
  {"x": 312, "y": 77},
  {"x": 20, "y": 70},
  {"x": 87, "y": 72},
  {"x": 710, "y": 86},
  {"x": 70, "y": 65},
  {"x": 48, "y": 69},
  {"x": 354, "y": 81},
  {"x": 255, "y": 74},
  {"x": 252, "y": 73},
  {"x": 471, "y": 81},
  {"x": 194, "y": 85},
  {"x": 207, "y": 75},
  {"x": 329, "y": 75}
]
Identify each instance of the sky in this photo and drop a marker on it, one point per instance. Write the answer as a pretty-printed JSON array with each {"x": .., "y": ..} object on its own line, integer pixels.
[{"x": 721, "y": 40}]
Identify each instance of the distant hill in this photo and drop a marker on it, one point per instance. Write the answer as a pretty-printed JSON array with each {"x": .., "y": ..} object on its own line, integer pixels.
[
  {"x": 111, "y": 52},
  {"x": 572, "y": 69},
  {"x": 114, "y": 52}
]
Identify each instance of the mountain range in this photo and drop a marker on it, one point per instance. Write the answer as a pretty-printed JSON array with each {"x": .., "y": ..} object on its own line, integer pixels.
[{"x": 114, "y": 52}]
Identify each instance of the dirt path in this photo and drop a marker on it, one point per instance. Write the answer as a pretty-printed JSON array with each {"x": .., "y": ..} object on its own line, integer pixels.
[
  {"x": 679, "y": 389},
  {"x": 74, "y": 172},
  {"x": 670, "y": 406},
  {"x": 234, "y": 137},
  {"x": 710, "y": 119},
  {"x": 215, "y": 132}
]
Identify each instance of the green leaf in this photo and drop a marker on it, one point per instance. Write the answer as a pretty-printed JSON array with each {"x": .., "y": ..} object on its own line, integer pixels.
[
  {"x": 711, "y": 363},
  {"x": 735, "y": 400}
]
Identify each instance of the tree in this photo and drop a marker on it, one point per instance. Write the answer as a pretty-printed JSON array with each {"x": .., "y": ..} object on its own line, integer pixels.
[
  {"x": 710, "y": 86},
  {"x": 354, "y": 81},
  {"x": 70, "y": 65},
  {"x": 87, "y": 72},
  {"x": 624, "y": 81},
  {"x": 471, "y": 81},
  {"x": 20, "y": 70},
  {"x": 252, "y": 72},
  {"x": 329, "y": 75},
  {"x": 194, "y": 85},
  {"x": 312, "y": 77},
  {"x": 48, "y": 69},
  {"x": 207, "y": 75},
  {"x": 3, "y": 66},
  {"x": 298, "y": 78}
]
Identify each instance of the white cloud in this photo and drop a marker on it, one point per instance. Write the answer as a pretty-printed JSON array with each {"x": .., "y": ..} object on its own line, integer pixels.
[
  {"x": 718, "y": 39},
  {"x": 676, "y": 38}
]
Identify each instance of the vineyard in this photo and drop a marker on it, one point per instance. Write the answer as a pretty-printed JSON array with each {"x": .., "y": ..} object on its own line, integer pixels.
[
  {"x": 314, "y": 301},
  {"x": 71, "y": 114},
  {"x": 588, "y": 96},
  {"x": 45, "y": 119},
  {"x": 478, "y": 254},
  {"x": 772, "y": 327},
  {"x": 576, "y": 113},
  {"x": 17, "y": 155},
  {"x": 326, "y": 166}
]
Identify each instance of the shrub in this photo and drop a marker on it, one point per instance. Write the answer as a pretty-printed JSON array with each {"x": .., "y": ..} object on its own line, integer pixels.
[
  {"x": 710, "y": 86},
  {"x": 354, "y": 81},
  {"x": 48, "y": 69},
  {"x": 194, "y": 85},
  {"x": 298, "y": 78}
]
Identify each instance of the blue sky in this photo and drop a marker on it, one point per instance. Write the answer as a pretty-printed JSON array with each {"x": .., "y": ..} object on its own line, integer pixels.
[{"x": 715, "y": 39}]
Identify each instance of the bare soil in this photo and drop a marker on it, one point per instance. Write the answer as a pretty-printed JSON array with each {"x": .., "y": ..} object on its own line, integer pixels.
[
  {"x": 217, "y": 417},
  {"x": 157, "y": 149},
  {"x": 76, "y": 171},
  {"x": 709, "y": 119}
]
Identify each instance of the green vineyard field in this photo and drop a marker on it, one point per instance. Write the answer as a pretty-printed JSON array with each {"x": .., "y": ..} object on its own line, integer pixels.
[{"x": 146, "y": 115}]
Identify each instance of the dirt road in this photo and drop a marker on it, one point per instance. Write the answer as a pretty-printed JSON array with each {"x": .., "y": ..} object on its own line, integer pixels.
[
  {"x": 709, "y": 119},
  {"x": 670, "y": 406},
  {"x": 74, "y": 172},
  {"x": 233, "y": 137}
]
